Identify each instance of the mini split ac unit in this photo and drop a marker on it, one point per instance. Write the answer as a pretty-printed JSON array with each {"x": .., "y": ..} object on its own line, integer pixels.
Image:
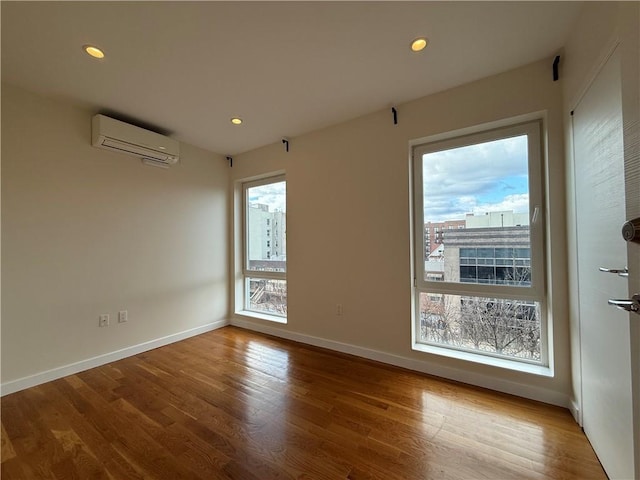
[{"x": 153, "y": 148}]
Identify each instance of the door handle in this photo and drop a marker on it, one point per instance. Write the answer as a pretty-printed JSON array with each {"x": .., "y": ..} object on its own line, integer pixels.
[
  {"x": 632, "y": 305},
  {"x": 631, "y": 230},
  {"x": 623, "y": 272}
]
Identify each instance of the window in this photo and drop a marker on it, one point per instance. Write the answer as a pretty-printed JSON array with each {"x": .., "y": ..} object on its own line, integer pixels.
[
  {"x": 488, "y": 299},
  {"x": 264, "y": 268}
]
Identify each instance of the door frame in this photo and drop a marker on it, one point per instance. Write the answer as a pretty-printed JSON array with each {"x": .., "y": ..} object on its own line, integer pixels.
[
  {"x": 576, "y": 404},
  {"x": 629, "y": 45}
]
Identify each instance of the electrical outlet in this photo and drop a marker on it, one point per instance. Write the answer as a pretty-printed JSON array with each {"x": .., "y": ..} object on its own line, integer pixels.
[
  {"x": 339, "y": 309},
  {"x": 103, "y": 320},
  {"x": 123, "y": 316}
]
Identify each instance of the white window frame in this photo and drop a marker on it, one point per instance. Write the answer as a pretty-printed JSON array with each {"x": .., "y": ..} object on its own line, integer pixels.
[
  {"x": 247, "y": 273},
  {"x": 535, "y": 292}
]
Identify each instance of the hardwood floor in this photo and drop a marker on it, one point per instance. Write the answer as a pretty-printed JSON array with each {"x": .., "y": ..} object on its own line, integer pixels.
[{"x": 233, "y": 404}]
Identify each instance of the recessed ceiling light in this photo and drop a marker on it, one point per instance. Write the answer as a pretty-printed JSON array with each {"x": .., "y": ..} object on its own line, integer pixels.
[
  {"x": 418, "y": 44},
  {"x": 93, "y": 51},
  {"x": 236, "y": 120}
]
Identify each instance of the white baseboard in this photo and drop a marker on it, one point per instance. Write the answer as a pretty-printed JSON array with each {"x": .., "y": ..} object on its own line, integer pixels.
[
  {"x": 459, "y": 375},
  {"x": 63, "y": 371},
  {"x": 485, "y": 381},
  {"x": 574, "y": 408}
]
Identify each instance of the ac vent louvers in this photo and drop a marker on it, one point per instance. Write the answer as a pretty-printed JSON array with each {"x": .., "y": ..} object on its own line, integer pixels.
[
  {"x": 117, "y": 136},
  {"x": 136, "y": 150},
  {"x": 152, "y": 162}
]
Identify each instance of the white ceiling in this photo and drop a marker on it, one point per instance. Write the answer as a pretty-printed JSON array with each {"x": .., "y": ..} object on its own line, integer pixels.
[{"x": 286, "y": 68}]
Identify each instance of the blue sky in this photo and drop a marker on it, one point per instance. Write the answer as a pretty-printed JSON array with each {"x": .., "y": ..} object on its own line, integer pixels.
[{"x": 480, "y": 178}]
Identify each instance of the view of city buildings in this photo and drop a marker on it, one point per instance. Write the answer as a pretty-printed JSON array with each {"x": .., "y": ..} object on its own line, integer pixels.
[
  {"x": 491, "y": 249},
  {"x": 267, "y": 241},
  {"x": 266, "y": 252},
  {"x": 434, "y": 232}
]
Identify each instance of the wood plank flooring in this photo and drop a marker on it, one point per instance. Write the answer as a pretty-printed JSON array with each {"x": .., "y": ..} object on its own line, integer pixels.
[{"x": 233, "y": 404}]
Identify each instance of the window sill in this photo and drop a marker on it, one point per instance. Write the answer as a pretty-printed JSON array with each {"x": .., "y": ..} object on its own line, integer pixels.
[
  {"x": 261, "y": 316},
  {"x": 532, "y": 369}
]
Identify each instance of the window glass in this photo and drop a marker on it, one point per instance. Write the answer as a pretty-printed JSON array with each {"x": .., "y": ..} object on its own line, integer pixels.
[
  {"x": 267, "y": 296},
  {"x": 265, "y": 242},
  {"x": 267, "y": 219},
  {"x": 496, "y": 326},
  {"x": 479, "y": 286},
  {"x": 484, "y": 186}
]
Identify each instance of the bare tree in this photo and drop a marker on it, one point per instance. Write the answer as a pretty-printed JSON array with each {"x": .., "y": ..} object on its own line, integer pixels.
[
  {"x": 440, "y": 319},
  {"x": 498, "y": 325}
]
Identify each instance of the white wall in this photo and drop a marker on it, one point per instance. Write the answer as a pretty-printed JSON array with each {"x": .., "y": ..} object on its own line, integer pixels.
[
  {"x": 348, "y": 226},
  {"x": 600, "y": 26},
  {"x": 86, "y": 231}
]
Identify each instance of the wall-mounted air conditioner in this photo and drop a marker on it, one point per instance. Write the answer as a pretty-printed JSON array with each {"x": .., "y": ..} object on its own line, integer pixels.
[{"x": 153, "y": 148}]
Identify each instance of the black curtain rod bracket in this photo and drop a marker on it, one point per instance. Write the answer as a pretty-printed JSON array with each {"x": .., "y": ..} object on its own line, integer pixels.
[{"x": 556, "y": 61}]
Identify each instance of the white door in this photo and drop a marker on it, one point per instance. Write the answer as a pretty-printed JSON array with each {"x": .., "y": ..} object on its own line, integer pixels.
[{"x": 609, "y": 342}]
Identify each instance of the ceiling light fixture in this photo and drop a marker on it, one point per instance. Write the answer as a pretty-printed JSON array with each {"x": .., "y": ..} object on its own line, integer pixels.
[
  {"x": 95, "y": 52},
  {"x": 236, "y": 120},
  {"x": 418, "y": 44}
]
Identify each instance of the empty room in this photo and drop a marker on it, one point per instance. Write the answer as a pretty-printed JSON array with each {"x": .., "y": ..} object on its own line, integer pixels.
[{"x": 322, "y": 240}]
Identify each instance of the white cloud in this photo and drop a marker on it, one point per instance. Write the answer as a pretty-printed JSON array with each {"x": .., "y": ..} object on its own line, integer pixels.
[
  {"x": 518, "y": 203},
  {"x": 478, "y": 178},
  {"x": 271, "y": 194}
]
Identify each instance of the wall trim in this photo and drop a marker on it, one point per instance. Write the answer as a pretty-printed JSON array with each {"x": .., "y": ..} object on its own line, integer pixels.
[
  {"x": 459, "y": 375},
  {"x": 484, "y": 381},
  {"x": 72, "y": 368},
  {"x": 574, "y": 408}
]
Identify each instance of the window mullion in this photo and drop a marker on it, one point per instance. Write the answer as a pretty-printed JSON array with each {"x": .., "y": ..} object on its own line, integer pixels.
[
  {"x": 420, "y": 246},
  {"x": 501, "y": 291},
  {"x": 265, "y": 274}
]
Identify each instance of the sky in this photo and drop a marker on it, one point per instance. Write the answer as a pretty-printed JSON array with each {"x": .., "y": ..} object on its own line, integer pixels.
[
  {"x": 272, "y": 194},
  {"x": 480, "y": 178}
]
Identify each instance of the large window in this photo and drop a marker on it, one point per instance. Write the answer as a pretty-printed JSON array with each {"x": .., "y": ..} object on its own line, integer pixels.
[
  {"x": 265, "y": 246},
  {"x": 479, "y": 256}
]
